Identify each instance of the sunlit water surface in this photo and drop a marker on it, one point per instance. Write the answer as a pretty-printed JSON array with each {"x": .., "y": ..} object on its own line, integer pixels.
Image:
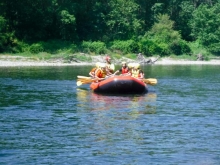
[{"x": 46, "y": 119}]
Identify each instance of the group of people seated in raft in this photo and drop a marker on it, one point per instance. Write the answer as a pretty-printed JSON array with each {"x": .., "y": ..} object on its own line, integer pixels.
[{"x": 103, "y": 70}]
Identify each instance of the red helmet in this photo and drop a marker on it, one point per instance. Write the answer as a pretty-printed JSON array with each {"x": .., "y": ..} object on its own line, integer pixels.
[{"x": 107, "y": 58}]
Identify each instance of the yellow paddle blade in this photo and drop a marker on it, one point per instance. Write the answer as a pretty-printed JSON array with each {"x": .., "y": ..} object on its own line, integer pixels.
[
  {"x": 84, "y": 77},
  {"x": 84, "y": 81},
  {"x": 150, "y": 81},
  {"x": 78, "y": 83}
]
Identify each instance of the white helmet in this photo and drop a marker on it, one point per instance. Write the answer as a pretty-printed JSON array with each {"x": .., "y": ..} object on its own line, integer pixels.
[
  {"x": 97, "y": 64},
  {"x": 137, "y": 65},
  {"x": 102, "y": 65}
]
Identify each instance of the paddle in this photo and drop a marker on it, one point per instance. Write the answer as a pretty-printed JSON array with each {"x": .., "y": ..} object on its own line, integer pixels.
[
  {"x": 89, "y": 78},
  {"x": 83, "y": 80},
  {"x": 150, "y": 81},
  {"x": 78, "y": 83},
  {"x": 84, "y": 77},
  {"x": 86, "y": 80}
]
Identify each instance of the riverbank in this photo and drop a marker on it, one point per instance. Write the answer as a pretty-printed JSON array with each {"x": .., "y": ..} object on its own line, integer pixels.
[
  {"x": 169, "y": 61},
  {"x": 4, "y": 63},
  {"x": 14, "y": 61}
]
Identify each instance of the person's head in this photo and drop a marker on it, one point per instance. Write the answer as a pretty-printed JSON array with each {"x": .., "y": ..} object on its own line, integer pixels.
[
  {"x": 131, "y": 65},
  {"x": 124, "y": 64},
  {"x": 137, "y": 66},
  {"x": 102, "y": 66},
  {"x": 108, "y": 59},
  {"x": 97, "y": 64},
  {"x": 141, "y": 71}
]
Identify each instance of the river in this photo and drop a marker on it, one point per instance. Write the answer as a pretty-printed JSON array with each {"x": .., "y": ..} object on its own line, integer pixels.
[{"x": 46, "y": 119}]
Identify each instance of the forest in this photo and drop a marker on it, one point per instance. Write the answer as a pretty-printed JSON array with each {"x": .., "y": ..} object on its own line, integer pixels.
[{"x": 152, "y": 27}]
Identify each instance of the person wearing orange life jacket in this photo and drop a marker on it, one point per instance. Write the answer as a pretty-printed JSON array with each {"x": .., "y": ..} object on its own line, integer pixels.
[
  {"x": 92, "y": 72},
  {"x": 137, "y": 72},
  {"x": 109, "y": 66},
  {"x": 125, "y": 71},
  {"x": 100, "y": 73}
]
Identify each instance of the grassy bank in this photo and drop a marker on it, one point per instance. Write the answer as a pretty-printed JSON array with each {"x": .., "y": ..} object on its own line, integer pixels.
[{"x": 68, "y": 52}]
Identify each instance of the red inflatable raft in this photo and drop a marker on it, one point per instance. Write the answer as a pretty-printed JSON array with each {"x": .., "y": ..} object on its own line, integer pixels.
[{"x": 120, "y": 85}]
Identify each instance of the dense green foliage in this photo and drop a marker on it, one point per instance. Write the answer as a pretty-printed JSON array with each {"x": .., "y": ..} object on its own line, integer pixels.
[
  {"x": 99, "y": 26},
  {"x": 206, "y": 26}
]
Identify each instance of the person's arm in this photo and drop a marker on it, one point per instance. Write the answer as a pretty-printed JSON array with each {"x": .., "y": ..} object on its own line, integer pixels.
[
  {"x": 92, "y": 72},
  {"x": 120, "y": 70},
  {"x": 127, "y": 74},
  {"x": 110, "y": 69},
  {"x": 116, "y": 72},
  {"x": 97, "y": 73},
  {"x": 108, "y": 72}
]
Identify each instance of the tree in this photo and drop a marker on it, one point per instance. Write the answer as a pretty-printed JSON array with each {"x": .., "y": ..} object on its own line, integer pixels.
[
  {"x": 2, "y": 33},
  {"x": 205, "y": 26},
  {"x": 184, "y": 17},
  {"x": 163, "y": 39},
  {"x": 121, "y": 21}
]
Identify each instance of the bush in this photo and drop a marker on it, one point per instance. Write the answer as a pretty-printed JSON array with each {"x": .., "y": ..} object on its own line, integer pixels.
[
  {"x": 127, "y": 46},
  {"x": 7, "y": 39},
  {"x": 162, "y": 49},
  {"x": 96, "y": 46},
  {"x": 197, "y": 48},
  {"x": 56, "y": 46},
  {"x": 179, "y": 48},
  {"x": 131, "y": 56},
  {"x": 36, "y": 48},
  {"x": 20, "y": 47},
  {"x": 149, "y": 47},
  {"x": 214, "y": 48},
  {"x": 163, "y": 39}
]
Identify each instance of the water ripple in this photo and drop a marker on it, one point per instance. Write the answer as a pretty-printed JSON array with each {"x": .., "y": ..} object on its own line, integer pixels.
[{"x": 51, "y": 121}]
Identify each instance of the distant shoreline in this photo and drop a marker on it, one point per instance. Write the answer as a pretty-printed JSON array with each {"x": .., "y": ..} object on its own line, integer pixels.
[
  {"x": 168, "y": 61},
  {"x": 38, "y": 63},
  {"x": 162, "y": 61}
]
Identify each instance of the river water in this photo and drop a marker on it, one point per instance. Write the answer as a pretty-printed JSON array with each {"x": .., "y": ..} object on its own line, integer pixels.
[{"x": 46, "y": 119}]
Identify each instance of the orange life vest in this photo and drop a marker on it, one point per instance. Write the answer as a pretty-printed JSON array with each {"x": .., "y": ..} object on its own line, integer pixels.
[
  {"x": 100, "y": 73},
  {"x": 124, "y": 70}
]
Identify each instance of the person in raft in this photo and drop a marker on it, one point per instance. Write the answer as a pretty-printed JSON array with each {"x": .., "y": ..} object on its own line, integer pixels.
[
  {"x": 131, "y": 67},
  {"x": 109, "y": 66},
  {"x": 101, "y": 72},
  {"x": 137, "y": 72},
  {"x": 92, "y": 72},
  {"x": 125, "y": 71}
]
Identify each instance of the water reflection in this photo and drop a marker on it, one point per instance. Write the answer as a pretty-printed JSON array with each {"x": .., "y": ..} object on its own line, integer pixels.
[
  {"x": 135, "y": 104},
  {"x": 115, "y": 122}
]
